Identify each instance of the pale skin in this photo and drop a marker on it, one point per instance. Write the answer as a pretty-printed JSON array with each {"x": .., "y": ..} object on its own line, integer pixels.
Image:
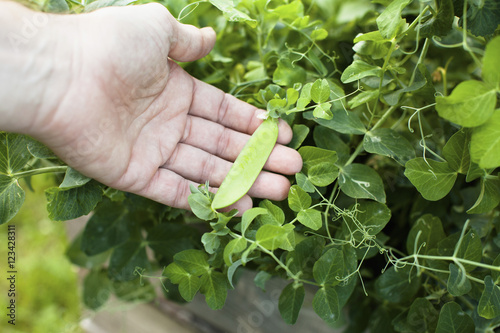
[{"x": 103, "y": 92}]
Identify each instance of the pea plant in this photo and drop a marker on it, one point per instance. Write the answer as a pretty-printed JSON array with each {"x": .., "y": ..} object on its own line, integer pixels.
[{"x": 393, "y": 222}]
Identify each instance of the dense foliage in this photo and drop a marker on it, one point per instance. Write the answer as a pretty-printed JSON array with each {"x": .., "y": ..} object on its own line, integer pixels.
[{"x": 394, "y": 216}]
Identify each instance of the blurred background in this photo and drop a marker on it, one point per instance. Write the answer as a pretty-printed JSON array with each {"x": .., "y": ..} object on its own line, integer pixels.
[{"x": 47, "y": 295}]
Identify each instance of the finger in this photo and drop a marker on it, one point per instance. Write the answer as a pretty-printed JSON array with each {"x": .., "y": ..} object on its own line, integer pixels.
[
  {"x": 205, "y": 166},
  {"x": 189, "y": 43},
  {"x": 173, "y": 190},
  {"x": 227, "y": 144},
  {"x": 213, "y": 104}
]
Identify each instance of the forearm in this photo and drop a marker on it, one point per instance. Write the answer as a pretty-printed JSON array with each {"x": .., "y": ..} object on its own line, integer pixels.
[{"x": 35, "y": 66}]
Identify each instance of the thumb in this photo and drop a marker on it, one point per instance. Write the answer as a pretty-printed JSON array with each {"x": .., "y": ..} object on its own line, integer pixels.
[{"x": 188, "y": 43}]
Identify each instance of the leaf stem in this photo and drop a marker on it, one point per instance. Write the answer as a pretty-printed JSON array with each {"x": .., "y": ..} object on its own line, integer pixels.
[
  {"x": 382, "y": 119},
  {"x": 55, "y": 169}
]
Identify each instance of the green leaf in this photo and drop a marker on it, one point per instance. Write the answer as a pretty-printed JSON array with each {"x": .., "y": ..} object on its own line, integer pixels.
[
  {"x": 274, "y": 214},
  {"x": 429, "y": 231},
  {"x": 343, "y": 122},
  {"x": 189, "y": 284},
  {"x": 373, "y": 36},
  {"x": 305, "y": 254},
  {"x": 385, "y": 141},
  {"x": 300, "y": 133},
  {"x": 370, "y": 219},
  {"x": 489, "y": 196},
  {"x": 319, "y": 165},
  {"x": 470, "y": 249},
  {"x": 433, "y": 180},
  {"x": 327, "y": 139},
  {"x": 399, "y": 285},
  {"x": 320, "y": 91},
  {"x": 375, "y": 49},
  {"x": 390, "y": 22},
  {"x": 452, "y": 319},
  {"x": 304, "y": 183},
  {"x": 491, "y": 70},
  {"x": 249, "y": 216},
  {"x": 272, "y": 237},
  {"x": 231, "y": 13},
  {"x": 57, "y": 6},
  {"x": 292, "y": 95},
  {"x": 125, "y": 258},
  {"x": 440, "y": 23},
  {"x": 286, "y": 74},
  {"x": 235, "y": 246},
  {"x": 106, "y": 3},
  {"x": 201, "y": 206},
  {"x": 68, "y": 204},
  {"x": 483, "y": 17},
  {"x": 317, "y": 63},
  {"x": 496, "y": 274},
  {"x": 470, "y": 104},
  {"x": 422, "y": 85},
  {"x": 485, "y": 143},
  {"x": 276, "y": 105},
  {"x": 214, "y": 287},
  {"x": 14, "y": 153},
  {"x": 489, "y": 304},
  {"x": 458, "y": 284},
  {"x": 326, "y": 304},
  {"x": 311, "y": 218},
  {"x": 475, "y": 172},
  {"x": 363, "y": 97},
  {"x": 232, "y": 270},
  {"x": 322, "y": 111},
  {"x": 96, "y": 289},
  {"x": 38, "y": 149},
  {"x": 456, "y": 151},
  {"x": 193, "y": 261},
  {"x": 290, "y": 302},
  {"x": 108, "y": 227},
  {"x": 11, "y": 198},
  {"x": 358, "y": 70},
  {"x": 211, "y": 242},
  {"x": 223, "y": 218},
  {"x": 298, "y": 199},
  {"x": 328, "y": 270},
  {"x": 313, "y": 156},
  {"x": 359, "y": 181},
  {"x": 114, "y": 194},
  {"x": 73, "y": 179},
  {"x": 305, "y": 96},
  {"x": 421, "y": 317},
  {"x": 319, "y": 34}
]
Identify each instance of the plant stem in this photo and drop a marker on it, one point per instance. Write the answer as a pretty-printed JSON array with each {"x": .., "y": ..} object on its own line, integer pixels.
[
  {"x": 382, "y": 119},
  {"x": 55, "y": 169}
]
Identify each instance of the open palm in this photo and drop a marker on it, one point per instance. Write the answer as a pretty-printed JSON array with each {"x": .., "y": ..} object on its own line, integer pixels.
[{"x": 134, "y": 120}]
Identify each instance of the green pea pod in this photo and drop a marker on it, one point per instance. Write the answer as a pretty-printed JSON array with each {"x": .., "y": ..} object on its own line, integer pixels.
[{"x": 247, "y": 165}]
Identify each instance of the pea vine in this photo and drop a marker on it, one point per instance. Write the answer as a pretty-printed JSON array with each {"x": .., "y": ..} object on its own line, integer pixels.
[{"x": 393, "y": 222}]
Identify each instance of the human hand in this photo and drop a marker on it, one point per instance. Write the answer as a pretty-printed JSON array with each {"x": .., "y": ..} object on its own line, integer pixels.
[{"x": 133, "y": 119}]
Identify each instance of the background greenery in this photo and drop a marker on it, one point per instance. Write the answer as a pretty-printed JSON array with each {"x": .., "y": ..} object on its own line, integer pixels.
[{"x": 48, "y": 296}]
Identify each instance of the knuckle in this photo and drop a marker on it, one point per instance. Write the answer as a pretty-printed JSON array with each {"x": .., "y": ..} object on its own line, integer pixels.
[
  {"x": 223, "y": 108},
  {"x": 223, "y": 142},
  {"x": 180, "y": 199},
  {"x": 207, "y": 167}
]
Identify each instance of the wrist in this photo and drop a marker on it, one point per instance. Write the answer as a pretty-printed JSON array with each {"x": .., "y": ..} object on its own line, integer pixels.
[{"x": 37, "y": 56}]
